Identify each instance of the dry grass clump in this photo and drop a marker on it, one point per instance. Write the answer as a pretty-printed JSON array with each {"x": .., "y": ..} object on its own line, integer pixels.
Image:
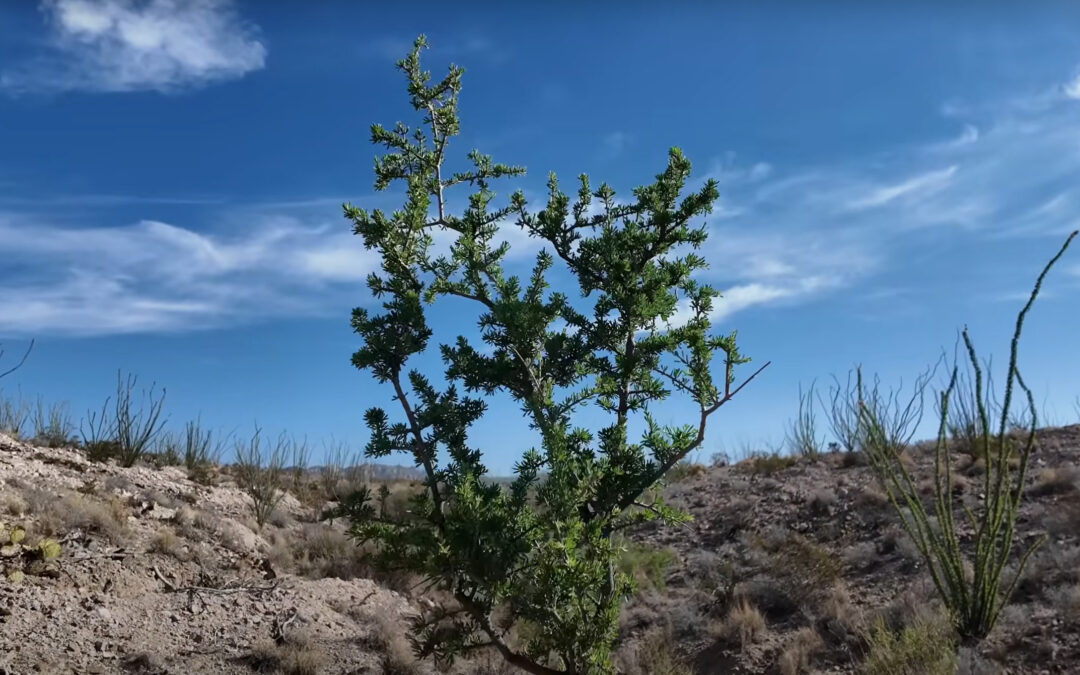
[
  {"x": 684, "y": 470},
  {"x": 800, "y": 567},
  {"x": 871, "y": 498},
  {"x": 743, "y": 625},
  {"x": 194, "y": 524},
  {"x": 397, "y": 657},
  {"x": 800, "y": 650},
  {"x": 1062, "y": 518},
  {"x": 862, "y": 556},
  {"x": 166, "y": 542},
  {"x": 688, "y": 622},
  {"x": 895, "y": 540},
  {"x": 768, "y": 464},
  {"x": 1065, "y": 600},
  {"x": 295, "y": 660},
  {"x": 653, "y": 655},
  {"x": 317, "y": 551},
  {"x": 1056, "y": 480},
  {"x": 295, "y": 656},
  {"x": 57, "y": 516},
  {"x": 839, "y": 622},
  {"x": 821, "y": 501},
  {"x": 1053, "y": 565},
  {"x": 925, "y": 647},
  {"x": 117, "y": 483},
  {"x": 13, "y": 504}
]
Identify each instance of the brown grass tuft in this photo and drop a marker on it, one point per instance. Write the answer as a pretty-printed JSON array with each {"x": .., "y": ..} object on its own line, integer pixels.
[
  {"x": 1055, "y": 480},
  {"x": 743, "y": 625},
  {"x": 800, "y": 649},
  {"x": 165, "y": 542},
  {"x": 59, "y": 515}
]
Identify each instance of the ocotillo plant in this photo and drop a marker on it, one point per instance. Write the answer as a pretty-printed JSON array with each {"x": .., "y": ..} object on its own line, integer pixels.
[
  {"x": 535, "y": 558},
  {"x": 974, "y": 598},
  {"x": 19, "y": 363}
]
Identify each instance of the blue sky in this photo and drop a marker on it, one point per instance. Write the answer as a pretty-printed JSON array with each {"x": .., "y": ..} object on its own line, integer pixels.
[{"x": 171, "y": 174}]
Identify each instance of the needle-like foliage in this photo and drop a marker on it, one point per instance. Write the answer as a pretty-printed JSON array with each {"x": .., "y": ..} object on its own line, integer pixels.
[{"x": 535, "y": 558}]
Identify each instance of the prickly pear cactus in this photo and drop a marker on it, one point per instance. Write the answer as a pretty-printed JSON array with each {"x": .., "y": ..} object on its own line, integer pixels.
[
  {"x": 48, "y": 549},
  {"x": 17, "y": 559}
]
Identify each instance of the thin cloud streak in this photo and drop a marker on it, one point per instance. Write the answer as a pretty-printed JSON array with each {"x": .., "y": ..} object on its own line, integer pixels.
[
  {"x": 155, "y": 277},
  {"x": 788, "y": 237}
]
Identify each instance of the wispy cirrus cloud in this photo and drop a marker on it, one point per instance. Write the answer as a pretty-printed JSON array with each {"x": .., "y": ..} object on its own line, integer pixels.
[
  {"x": 123, "y": 45},
  {"x": 156, "y": 277},
  {"x": 780, "y": 236},
  {"x": 247, "y": 263},
  {"x": 1071, "y": 88},
  {"x": 784, "y": 237},
  {"x": 915, "y": 187}
]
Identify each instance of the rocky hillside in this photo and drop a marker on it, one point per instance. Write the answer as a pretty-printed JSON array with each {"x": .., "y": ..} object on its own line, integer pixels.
[
  {"x": 789, "y": 566},
  {"x": 159, "y": 574}
]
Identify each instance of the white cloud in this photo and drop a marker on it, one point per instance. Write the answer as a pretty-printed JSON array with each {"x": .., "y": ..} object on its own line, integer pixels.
[
  {"x": 727, "y": 171},
  {"x": 125, "y": 45},
  {"x": 759, "y": 171},
  {"x": 916, "y": 186},
  {"x": 153, "y": 276},
  {"x": 744, "y": 296},
  {"x": 968, "y": 136},
  {"x": 795, "y": 235},
  {"x": 741, "y": 297},
  {"x": 1071, "y": 88}
]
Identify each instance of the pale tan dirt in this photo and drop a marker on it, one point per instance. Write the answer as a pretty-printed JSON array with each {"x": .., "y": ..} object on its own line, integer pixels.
[{"x": 109, "y": 606}]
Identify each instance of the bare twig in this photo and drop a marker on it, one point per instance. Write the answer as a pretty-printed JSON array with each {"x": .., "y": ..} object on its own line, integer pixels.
[
  {"x": 236, "y": 587},
  {"x": 20, "y": 363}
]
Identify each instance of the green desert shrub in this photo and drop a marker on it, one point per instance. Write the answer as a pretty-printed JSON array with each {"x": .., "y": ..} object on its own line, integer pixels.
[
  {"x": 646, "y": 565},
  {"x": 14, "y": 412},
  {"x": 770, "y": 463},
  {"x": 539, "y": 545},
  {"x": 803, "y": 438},
  {"x": 52, "y": 424},
  {"x": 974, "y": 598},
  {"x": 126, "y": 430},
  {"x": 201, "y": 451},
  {"x": 259, "y": 470},
  {"x": 842, "y": 413}
]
